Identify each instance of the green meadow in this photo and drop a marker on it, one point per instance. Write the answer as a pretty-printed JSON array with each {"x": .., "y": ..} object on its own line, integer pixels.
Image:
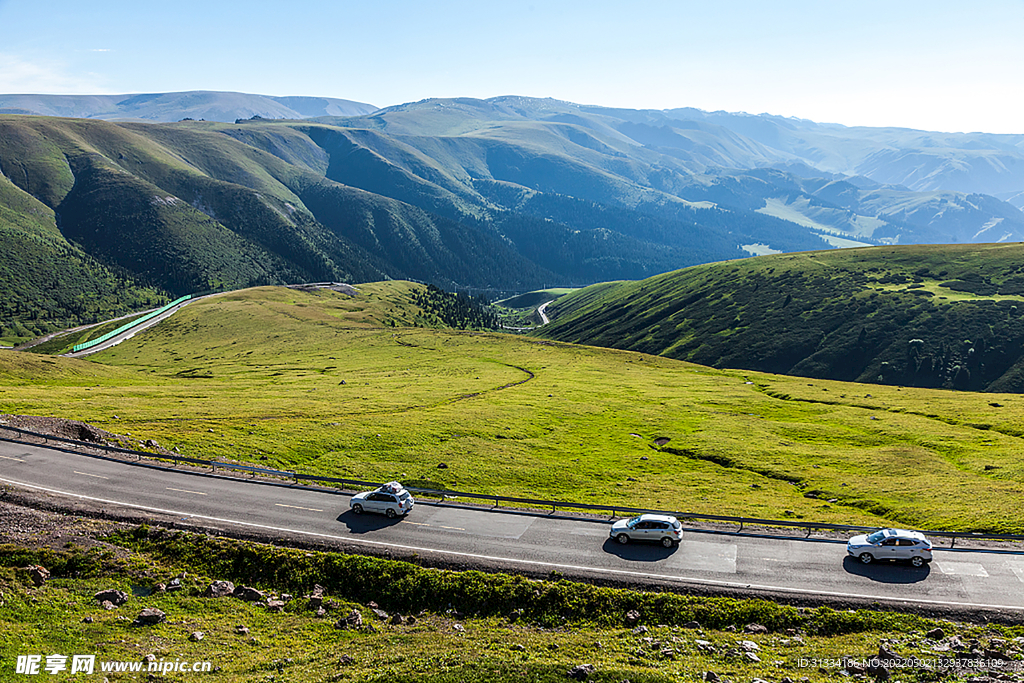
[{"x": 369, "y": 387}]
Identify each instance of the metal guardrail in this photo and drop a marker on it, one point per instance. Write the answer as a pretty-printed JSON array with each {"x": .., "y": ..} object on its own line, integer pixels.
[
  {"x": 615, "y": 510},
  {"x": 127, "y": 326}
]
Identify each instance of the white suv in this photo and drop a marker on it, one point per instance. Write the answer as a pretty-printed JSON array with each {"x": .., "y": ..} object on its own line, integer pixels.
[
  {"x": 390, "y": 499},
  {"x": 891, "y": 544},
  {"x": 661, "y": 529}
]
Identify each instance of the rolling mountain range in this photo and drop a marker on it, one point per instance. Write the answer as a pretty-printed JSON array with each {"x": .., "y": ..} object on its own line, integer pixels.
[
  {"x": 175, "y": 106},
  {"x": 500, "y": 195}
]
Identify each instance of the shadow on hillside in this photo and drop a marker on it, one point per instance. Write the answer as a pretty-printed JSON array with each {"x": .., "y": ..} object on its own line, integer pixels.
[
  {"x": 887, "y": 571},
  {"x": 366, "y": 522},
  {"x": 639, "y": 552}
]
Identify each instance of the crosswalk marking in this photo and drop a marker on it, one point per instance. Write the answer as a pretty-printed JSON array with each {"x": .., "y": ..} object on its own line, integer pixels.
[{"x": 962, "y": 569}]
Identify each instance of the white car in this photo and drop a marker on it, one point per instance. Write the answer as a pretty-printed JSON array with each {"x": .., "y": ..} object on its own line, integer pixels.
[
  {"x": 891, "y": 544},
  {"x": 390, "y": 499},
  {"x": 661, "y": 529}
]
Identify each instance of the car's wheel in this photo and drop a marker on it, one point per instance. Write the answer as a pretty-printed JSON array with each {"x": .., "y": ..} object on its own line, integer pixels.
[
  {"x": 667, "y": 542},
  {"x": 866, "y": 558},
  {"x": 391, "y": 513},
  {"x": 357, "y": 508},
  {"x": 917, "y": 561},
  {"x": 623, "y": 539}
]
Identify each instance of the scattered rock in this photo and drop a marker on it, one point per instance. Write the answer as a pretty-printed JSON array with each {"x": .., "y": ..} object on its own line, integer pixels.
[
  {"x": 219, "y": 589},
  {"x": 150, "y": 616},
  {"x": 442, "y": 466},
  {"x": 242, "y": 630},
  {"x": 632, "y": 617},
  {"x": 379, "y": 613},
  {"x": 691, "y": 624},
  {"x": 107, "y": 605},
  {"x": 750, "y": 656},
  {"x": 876, "y": 670},
  {"x": 316, "y": 598},
  {"x": 517, "y": 647},
  {"x": 87, "y": 620},
  {"x": 173, "y": 585},
  {"x": 38, "y": 573},
  {"x": 749, "y": 646},
  {"x": 935, "y": 634},
  {"x": 248, "y": 594},
  {"x": 459, "y": 627},
  {"x": 276, "y": 606},
  {"x": 705, "y": 646},
  {"x": 354, "y": 619},
  {"x": 710, "y": 677},
  {"x": 397, "y": 620},
  {"x": 755, "y": 628},
  {"x": 115, "y": 597},
  {"x": 346, "y": 660},
  {"x": 160, "y": 588},
  {"x": 580, "y": 672},
  {"x": 149, "y": 659},
  {"x": 196, "y": 636}
]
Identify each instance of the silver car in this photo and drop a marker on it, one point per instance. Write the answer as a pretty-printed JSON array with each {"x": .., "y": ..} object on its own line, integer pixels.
[
  {"x": 891, "y": 544},
  {"x": 661, "y": 529},
  {"x": 390, "y": 499}
]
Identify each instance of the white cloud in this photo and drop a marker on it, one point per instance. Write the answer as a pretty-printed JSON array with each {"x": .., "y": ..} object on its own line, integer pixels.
[{"x": 22, "y": 76}]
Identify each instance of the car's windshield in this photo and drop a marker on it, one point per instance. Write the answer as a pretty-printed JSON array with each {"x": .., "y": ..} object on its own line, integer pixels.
[
  {"x": 633, "y": 522},
  {"x": 877, "y": 536}
]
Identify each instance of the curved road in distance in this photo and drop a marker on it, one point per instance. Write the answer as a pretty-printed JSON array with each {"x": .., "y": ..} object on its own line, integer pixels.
[{"x": 957, "y": 579}]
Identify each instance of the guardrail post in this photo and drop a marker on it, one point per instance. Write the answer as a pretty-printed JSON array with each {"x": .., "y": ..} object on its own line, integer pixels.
[
  {"x": 810, "y": 530},
  {"x": 212, "y": 464},
  {"x": 741, "y": 526},
  {"x": 952, "y": 542}
]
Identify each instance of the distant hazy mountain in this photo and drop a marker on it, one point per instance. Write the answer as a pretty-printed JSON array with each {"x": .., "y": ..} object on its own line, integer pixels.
[{"x": 175, "y": 106}]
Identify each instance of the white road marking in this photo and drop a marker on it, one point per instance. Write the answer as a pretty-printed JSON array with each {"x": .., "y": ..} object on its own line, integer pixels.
[
  {"x": 534, "y": 563},
  {"x": 705, "y": 556},
  {"x": 962, "y": 568},
  {"x": 1018, "y": 569},
  {"x": 198, "y": 493},
  {"x": 294, "y": 507},
  {"x": 14, "y": 459},
  {"x": 86, "y": 474}
]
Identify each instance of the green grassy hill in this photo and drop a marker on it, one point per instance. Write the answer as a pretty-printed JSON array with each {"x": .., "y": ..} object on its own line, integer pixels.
[
  {"x": 336, "y": 385},
  {"x": 927, "y": 316}
]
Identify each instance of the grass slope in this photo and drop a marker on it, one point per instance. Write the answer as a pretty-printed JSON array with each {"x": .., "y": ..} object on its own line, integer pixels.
[
  {"x": 323, "y": 383},
  {"x": 929, "y": 316}
]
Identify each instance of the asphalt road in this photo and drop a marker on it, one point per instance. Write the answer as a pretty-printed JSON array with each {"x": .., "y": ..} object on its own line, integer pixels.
[{"x": 960, "y": 578}]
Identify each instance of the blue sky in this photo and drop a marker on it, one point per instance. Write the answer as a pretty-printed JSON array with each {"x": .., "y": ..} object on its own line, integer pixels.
[{"x": 934, "y": 65}]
